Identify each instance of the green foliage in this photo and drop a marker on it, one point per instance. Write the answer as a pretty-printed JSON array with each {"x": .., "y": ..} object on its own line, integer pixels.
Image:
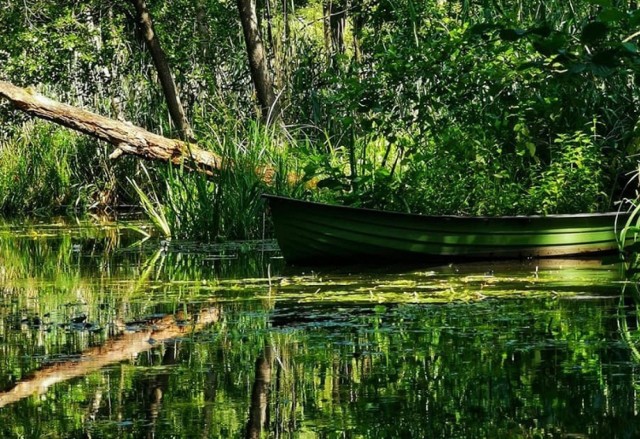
[
  {"x": 573, "y": 170},
  {"x": 190, "y": 205},
  {"x": 434, "y": 107},
  {"x": 45, "y": 167},
  {"x": 477, "y": 117},
  {"x": 153, "y": 208}
]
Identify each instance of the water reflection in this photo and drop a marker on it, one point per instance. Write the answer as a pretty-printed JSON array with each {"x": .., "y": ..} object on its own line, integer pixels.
[
  {"x": 102, "y": 335},
  {"x": 258, "y": 411}
]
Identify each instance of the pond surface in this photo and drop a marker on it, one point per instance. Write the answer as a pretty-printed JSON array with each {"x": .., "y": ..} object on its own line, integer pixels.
[{"x": 106, "y": 334}]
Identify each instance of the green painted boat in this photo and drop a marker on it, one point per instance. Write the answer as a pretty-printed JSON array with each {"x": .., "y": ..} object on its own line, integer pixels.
[{"x": 315, "y": 233}]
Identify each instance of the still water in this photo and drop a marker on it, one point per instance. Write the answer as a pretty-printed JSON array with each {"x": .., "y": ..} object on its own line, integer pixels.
[{"x": 105, "y": 333}]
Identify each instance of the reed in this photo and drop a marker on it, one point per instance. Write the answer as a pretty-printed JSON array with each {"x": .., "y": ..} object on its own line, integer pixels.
[
  {"x": 36, "y": 169},
  {"x": 152, "y": 207},
  {"x": 187, "y": 205}
]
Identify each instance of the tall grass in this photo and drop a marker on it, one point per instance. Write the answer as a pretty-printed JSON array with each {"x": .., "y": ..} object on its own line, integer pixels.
[
  {"x": 258, "y": 159},
  {"x": 629, "y": 230},
  {"x": 44, "y": 168},
  {"x": 152, "y": 207}
]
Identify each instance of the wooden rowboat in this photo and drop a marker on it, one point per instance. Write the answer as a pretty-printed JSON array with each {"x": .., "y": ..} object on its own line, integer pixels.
[{"x": 310, "y": 232}]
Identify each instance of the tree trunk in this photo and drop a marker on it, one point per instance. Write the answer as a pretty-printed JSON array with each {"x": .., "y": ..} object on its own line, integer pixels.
[
  {"x": 338, "y": 21},
  {"x": 259, "y": 409},
  {"x": 334, "y": 22},
  {"x": 164, "y": 72},
  {"x": 358, "y": 23},
  {"x": 127, "y": 138},
  {"x": 204, "y": 39},
  {"x": 260, "y": 75},
  {"x": 326, "y": 27}
]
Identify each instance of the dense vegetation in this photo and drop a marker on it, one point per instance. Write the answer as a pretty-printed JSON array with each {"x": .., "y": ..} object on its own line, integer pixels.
[{"x": 489, "y": 107}]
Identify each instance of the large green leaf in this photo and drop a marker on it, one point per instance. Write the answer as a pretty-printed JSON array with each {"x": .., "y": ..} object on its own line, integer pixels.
[
  {"x": 331, "y": 183},
  {"x": 594, "y": 31},
  {"x": 630, "y": 48},
  {"x": 542, "y": 31},
  {"x": 481, "y": 28},
  {"x": 551, "y": 45},
  {"x": 611, "y": 15},
  {"x": 601, "y": 70},
  {"x": 512, "y": 34},
  {"x": 577, "y": 68},
  {"x": 606, "y": 58}
]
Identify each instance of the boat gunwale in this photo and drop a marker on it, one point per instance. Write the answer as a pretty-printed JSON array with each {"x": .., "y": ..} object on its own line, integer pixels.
[{"x": 613, "y": 214}]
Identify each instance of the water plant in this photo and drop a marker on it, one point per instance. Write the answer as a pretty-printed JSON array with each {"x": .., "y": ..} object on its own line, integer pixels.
[
  {"x": 152, "y": 207},
  {"x": 184, "y": 204}
]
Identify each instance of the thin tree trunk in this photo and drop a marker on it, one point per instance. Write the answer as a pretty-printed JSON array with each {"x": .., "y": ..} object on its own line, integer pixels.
[
  {"x": 273, "y": 46},
  {"x": 164, "y": 72},
  {"x": 326, "y": 27},
  {"x": 285, "y": 20},
  {"x": 358, "y": 24},
  {"x": 202, "y": 26},
  {"x": 260, "y": 75},
  {"x": 267, "y": 10},
  {"x": 338, "y": 21},
  {"x": 284, "y": 53}
]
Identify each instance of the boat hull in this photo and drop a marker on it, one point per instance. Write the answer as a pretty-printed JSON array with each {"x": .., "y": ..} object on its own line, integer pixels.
[{"x": 313, "y": 233}]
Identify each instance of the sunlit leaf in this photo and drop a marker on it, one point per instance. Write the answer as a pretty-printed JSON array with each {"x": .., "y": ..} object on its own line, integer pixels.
[
  {"x": 529, "y": 65},
  {"x": 531, "y": 148}
]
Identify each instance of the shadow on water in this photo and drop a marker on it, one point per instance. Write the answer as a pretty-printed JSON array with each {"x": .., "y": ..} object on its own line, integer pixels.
[{"x": 103, "y": 334}]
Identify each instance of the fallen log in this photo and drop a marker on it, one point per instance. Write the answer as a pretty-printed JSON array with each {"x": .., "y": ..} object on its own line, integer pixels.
[{"x": 127, "y": 138}]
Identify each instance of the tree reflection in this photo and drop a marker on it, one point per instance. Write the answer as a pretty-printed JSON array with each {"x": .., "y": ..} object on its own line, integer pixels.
[
  {"x": 384, "y": 355},
  {"x": 259, "y": 408},
  {"x": 127, "y": 346}
]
